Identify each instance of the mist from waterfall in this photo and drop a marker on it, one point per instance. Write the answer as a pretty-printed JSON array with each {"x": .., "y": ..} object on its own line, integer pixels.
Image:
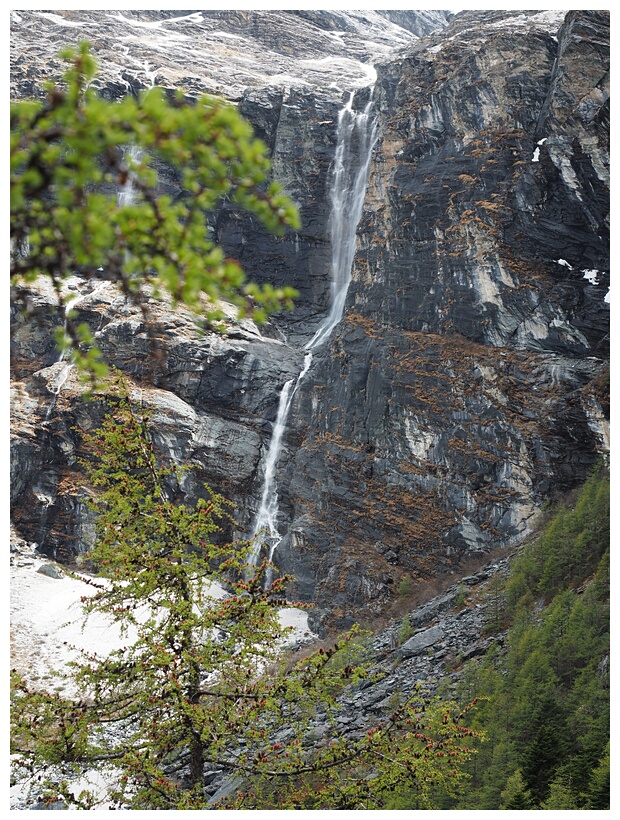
[{"x": 356, "y": 137}]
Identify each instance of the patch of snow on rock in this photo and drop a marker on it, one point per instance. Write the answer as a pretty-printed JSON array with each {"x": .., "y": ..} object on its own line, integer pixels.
[
  {"x": 60, "y": 21},
  {"x": 591, "y": 276}
]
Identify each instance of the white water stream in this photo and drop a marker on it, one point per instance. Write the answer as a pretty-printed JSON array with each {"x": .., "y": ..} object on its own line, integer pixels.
[
  {"x": 265, "y": 527},
  {"x": 56, "y": 384},
  {"x": 127, "y": 194},
  {"x": 355, "y": 140}
]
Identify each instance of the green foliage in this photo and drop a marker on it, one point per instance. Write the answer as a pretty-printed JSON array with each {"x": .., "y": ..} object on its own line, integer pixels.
[
  {"x": 567, "y": 551},
  {"x": 560, "y": 798},
  {"x": 461, "y": 596},
  {"x": 544, "y": 700},
  {"x": 495, "y": 611},
  {"x": 201, "y": 681},
  {"x": 516, "y": 796},
  {"x": 406, "y": 630},
  {"x": 597, "y": 795},
  {"x": 74, "y": 151},
  {"x": 405, "y": 586},
  {"x": 348, "y": 664}
]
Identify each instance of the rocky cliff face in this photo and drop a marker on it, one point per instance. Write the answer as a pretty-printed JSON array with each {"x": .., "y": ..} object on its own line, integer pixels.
[
  {"x": 464, "y": 386},
  {"x": 467, "y": 380}
]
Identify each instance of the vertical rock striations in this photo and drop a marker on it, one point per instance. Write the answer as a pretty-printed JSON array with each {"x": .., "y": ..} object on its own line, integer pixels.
[
  {"x": 349, "y": 174},
  {"x": 467, "y": 382}
]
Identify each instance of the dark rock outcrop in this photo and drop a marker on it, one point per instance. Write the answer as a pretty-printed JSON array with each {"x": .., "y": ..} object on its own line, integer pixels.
[{"x": 466, "y": 383}]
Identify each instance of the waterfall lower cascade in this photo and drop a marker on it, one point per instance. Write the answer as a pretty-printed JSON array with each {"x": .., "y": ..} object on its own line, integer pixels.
[
  {"x": 265, "y": 531},
  {"x": 356, "y": 137}
]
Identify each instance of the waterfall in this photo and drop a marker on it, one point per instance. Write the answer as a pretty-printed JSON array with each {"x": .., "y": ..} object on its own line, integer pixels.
[
  {"x": 355, "y": 131},
  {"x": 127, "y": 194},
  {"x": 356, "y": 137},
  {"x": 57, "y": 383},
  {"x": 265, "y": 526}
]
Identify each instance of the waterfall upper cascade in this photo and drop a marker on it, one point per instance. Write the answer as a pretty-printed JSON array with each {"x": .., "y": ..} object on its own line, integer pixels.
[
  {"x": 357, "y": 134},
  {"x": 356, "y": 137}
]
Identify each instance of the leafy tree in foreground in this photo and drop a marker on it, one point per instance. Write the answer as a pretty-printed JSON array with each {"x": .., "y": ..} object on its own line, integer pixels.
[
  {"x": 71, "y": 155},
  {"x": 200, "y": 682}
]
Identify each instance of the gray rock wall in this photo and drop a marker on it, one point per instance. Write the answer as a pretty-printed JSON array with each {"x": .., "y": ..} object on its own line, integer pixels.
[{"x": 460, "y": 390}]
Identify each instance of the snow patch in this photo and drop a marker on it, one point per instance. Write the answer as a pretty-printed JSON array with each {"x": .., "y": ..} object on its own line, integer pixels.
[
  {"x": 152, "y": 24},
  {"x": 565, "y": 263},
  {"x": 591, "y": 276},
  {"x": 228, "y": 35},
  {"x": 544, "y": 18},
  {"x": 345, "y": 63},
  {"x": 195, "y": 17},
  {"x": 48, "y": 628},
  {"x": 60, "y": 21}
]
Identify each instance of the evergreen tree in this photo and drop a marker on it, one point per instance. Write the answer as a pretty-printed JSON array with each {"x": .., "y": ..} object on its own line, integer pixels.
[
  {"x": 560, "y": 797},
  {"x": 516, "y": 796},
  {"x": 200, "y": 681},
  {"x": 544, "y": 697},
  {"x": 597, "y": 796},
  {"x": 543, "y": 753}
]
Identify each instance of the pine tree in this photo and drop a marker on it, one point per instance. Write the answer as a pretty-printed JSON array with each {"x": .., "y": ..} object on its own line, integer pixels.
[
  {"x": 598, "y": 793},
  {"x": 560, "y": 797},
  {"x": 516, "y": 796},
  {"x": 200, "y": 682},
  {"x": 545, "y": 694}
]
